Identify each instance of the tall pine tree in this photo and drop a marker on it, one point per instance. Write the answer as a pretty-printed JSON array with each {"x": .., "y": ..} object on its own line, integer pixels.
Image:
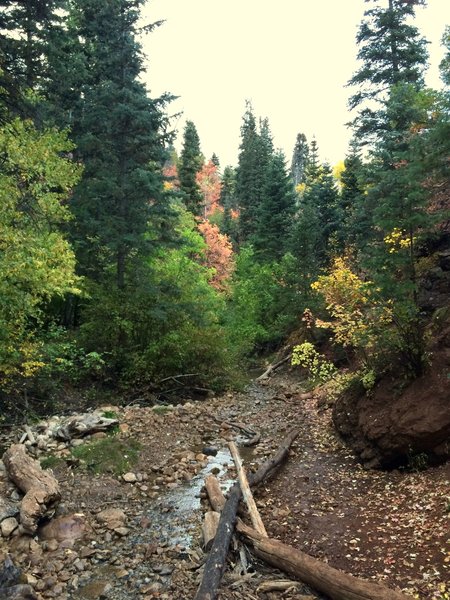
[
  {"x": 275, "y": 212},
  {"x": 299, "y": 159},
  {"x": 191, "y": 161},
  {"x": 392, "y": 52},
  {"x": 120, "y": 139}
]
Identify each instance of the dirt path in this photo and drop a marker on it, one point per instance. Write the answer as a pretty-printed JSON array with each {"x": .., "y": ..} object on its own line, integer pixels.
[{"x": 388, "y": 526}]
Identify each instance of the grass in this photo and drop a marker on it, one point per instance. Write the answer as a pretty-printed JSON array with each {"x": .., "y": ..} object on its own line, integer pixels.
[
  {"x": 51, "y": 461},
  {"x": 108, "y": 455}
]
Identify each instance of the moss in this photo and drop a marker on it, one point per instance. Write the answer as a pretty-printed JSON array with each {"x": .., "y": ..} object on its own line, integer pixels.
[
  {"x": 108, "y": 455},
  {"x": 51, "y": 461},
  {"x": 161, "y": 409}
]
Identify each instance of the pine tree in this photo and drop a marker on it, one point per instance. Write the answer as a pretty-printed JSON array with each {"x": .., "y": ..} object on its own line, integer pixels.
[
  {"x": 28, "y": 32},
  {"x": 275, "y": 212},
  {"x": 121, "y": 143},
  {"x": 392, "y": 52},
  {"x": 229, "y": 203},
  {"x": 356, "y": 218},
  {"x": 254, "y": 157},
  {"x": 299, "y": 159},
  {"x": 191, "y": 161}
]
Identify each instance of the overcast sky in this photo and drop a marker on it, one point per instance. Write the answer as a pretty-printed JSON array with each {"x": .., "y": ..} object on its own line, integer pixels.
[{"x": 291, "y": 58}]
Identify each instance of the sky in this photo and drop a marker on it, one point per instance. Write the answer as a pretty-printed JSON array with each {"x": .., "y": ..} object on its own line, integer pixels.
[{"x": 290, "y": 58}]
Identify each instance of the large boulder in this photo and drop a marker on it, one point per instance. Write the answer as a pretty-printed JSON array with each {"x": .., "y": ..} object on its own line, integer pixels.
[{"x": 397, "y": 423}]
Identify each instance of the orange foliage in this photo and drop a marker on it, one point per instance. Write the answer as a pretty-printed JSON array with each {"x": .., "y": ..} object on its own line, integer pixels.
[
  {"x": 218, "y": 255},
  {"x": 208, "y": 180}
]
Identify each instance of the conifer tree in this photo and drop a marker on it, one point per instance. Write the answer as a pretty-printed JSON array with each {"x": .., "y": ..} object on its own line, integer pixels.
[
  {"x": 275, "y": 213},
  {"x": 191, "y": 161},
  {"x": 254, "y": 157},
  {"x": 228, "y": 201},
  {"x": 299, "y": 159},
  {"x": 392, "y": 52},
  {"x": 356, "y": 217},
  {"x": 120, "y": 141},
  {"x": 29, "y": 32}
]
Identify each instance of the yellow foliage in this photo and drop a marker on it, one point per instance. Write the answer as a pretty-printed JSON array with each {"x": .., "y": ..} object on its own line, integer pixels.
[
  {"x": 300, "y": 188},
  {"x": 349, "y": 299},
  {"x": 398, "y": 240}
]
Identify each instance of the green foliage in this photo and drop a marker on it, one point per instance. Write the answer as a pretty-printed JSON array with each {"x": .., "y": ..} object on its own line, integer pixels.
[
  {"x": 255, "y": 152},
  {"x": 167, "y": 322},
  {"x": 51, "y": 461},
  {"x": 392, "y": 52},
  {"x": 108, "y": 455},
  {"x": 64, "y": 360},
  {"x": 275, "y": 212},
  {"x": 299, "y": 160},
  {"x": 36, "y": 261},
  {"x": 190, "y": 163},
  {"x": 319, "y": 369}
]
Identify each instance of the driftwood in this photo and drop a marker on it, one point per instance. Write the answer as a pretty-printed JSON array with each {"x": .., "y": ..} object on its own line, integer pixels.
[
  {"x": 82, "y": 425},
  {"x": 279, "y": 585},
  {"x": 335, "y": 584},
  {"x": 215, "y": 563},
  {"x": 253, "y": 435},
  {"x": 215, "y": 494},
  {"x": 209, "y": 528},
  {"x": 246, "y": 492},
  {"x": 40, "y": 487},
  {"x": 271, "y": 368}
]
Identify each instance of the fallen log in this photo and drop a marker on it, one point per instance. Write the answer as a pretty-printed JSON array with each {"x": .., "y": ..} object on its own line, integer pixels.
[
  {"x": 82, "y": 425},
  {"x": 40, "y": 487},
  {"x": 246, "y": 492},
  {"x": 216, "y": 561},
  {"x": 215, "y": 495},
  {"x": 335, "y": 584},
  {"x": 268, "y": 372},
  {"x": 209, "y": 528}
]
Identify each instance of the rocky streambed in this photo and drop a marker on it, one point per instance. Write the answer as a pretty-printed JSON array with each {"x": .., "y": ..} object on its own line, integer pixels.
[{"x": 137, "y": 534}]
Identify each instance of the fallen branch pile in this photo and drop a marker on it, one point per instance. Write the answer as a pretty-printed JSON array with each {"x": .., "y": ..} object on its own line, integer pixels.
[{"x": 336, "y": 584}]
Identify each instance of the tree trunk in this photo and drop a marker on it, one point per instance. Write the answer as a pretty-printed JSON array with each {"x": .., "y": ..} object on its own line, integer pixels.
[
  {"x": 40, "y": 487},
  {"x": 209, "y": 528},
  {"x": 335, "y": 584}
]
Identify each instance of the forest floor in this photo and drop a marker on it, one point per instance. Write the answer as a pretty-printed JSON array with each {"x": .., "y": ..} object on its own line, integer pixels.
[{"x": 391, "y": 527}]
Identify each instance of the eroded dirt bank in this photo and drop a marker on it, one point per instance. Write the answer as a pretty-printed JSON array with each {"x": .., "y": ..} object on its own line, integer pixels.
[{"x": 140, "y": 537}]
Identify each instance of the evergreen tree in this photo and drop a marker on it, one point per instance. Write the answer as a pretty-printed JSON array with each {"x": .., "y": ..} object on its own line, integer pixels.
[
  {"x": 356, "y": 218},
  {"x": 228, "y": 201},
  {"x": 254, "y": 157},
  {"x": 28, "y": 33},
  {"x": 275, "y": 212},
  {"x": 120, "y": 141},
  {"x": 191, "y": 161},
  {"x": 215, "y": 160},
  {"x": 392, "y": 52},
  {"x": 299, "y": 159}
]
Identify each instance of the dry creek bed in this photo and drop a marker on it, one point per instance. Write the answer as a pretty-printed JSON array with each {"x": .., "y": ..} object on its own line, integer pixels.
[{"x": 137, "y": 536}]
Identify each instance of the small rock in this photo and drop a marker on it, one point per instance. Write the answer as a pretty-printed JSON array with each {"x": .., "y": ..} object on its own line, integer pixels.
[
  {"x": 8, "y": 526},
  {"x": 121, "y": 573},
  {"x": 129, "y": 477},
  {"x": 122, "y": 531},
  {"x": 210, "y": 451},
  {"x": 111, "y": 517}
]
